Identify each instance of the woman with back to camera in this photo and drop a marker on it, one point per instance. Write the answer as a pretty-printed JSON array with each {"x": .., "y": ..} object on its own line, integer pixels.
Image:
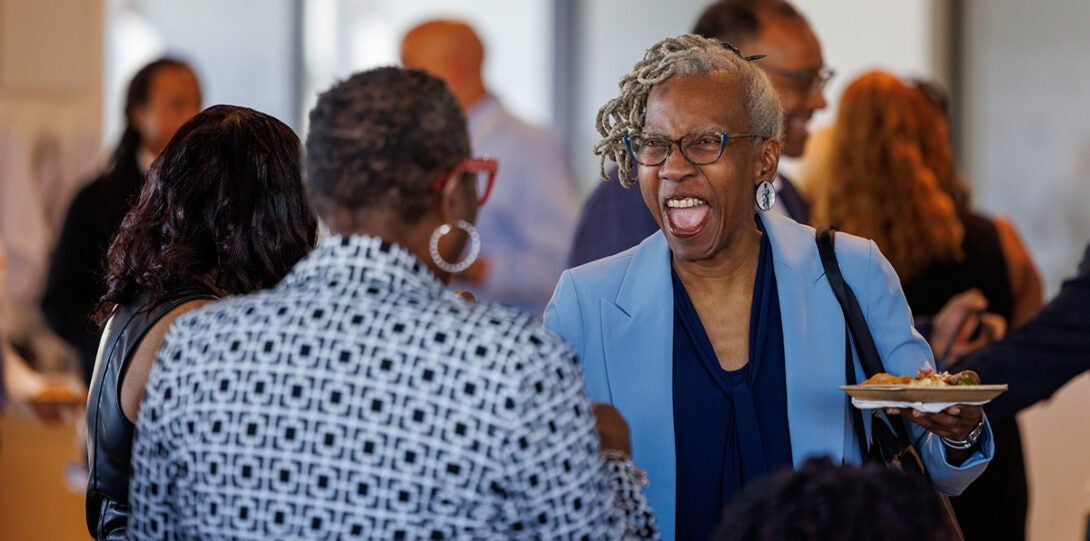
[
  {"x": 224, "y": 212},
  {"x": 718, "y": 337},
  {"x": 161, "y": 97},
  {"x": 891, "y": 177},
  {"x": 423, "y": 416}
]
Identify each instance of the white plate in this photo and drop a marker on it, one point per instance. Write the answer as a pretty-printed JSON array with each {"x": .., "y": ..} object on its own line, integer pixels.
[{"x": 921, "y": 394}]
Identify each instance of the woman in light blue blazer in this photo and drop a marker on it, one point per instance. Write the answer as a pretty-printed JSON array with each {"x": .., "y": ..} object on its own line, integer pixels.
[{"x": 718, "y": 337}]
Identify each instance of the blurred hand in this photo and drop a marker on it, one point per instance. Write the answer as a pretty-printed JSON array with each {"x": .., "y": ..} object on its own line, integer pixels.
[
  {"x": 955, "y": 422},
  {"x": 963, "y": 326},
  {"x": 51, "y": 353},
  {"x": 27, "y": 387},
  {"x": 612, "y": 429},
  {"x": 24, "y": 383},
  {"x": 467, "y": 296}
]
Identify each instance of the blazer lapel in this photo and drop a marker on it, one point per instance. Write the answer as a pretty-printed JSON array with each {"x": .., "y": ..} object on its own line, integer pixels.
[
  {"x": 813, "y": 331},
  {"x": 638, "y": 340}
]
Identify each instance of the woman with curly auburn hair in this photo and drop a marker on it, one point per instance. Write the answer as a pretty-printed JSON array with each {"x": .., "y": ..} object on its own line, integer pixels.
[
  {"x": 224, "y": 212},
  {"x": 892, "y": 177},
  {"x": 879, "y": 184}
]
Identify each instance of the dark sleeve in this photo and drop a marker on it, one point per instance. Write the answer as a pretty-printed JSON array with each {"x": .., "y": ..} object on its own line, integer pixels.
[
  {"x": 74, "y": 283},
  {"x": 1044, "y": 354},
  {"x": 613, "y": 220}
]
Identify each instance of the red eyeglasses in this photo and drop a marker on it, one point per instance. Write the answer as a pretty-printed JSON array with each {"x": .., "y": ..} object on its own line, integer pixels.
[{"x": 482, "y": 170}]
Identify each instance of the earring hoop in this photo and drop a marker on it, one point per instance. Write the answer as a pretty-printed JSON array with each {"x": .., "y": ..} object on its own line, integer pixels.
[
  {"x": 474, "y": 247},
  {"x": 766, "y": 196}
]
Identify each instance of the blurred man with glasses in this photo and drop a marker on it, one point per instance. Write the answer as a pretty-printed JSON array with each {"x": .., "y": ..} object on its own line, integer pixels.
[{"x": 615, "y": 219}]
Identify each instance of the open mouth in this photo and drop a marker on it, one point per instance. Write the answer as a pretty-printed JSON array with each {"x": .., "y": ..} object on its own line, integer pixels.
[{"x": 686, "y": 216}]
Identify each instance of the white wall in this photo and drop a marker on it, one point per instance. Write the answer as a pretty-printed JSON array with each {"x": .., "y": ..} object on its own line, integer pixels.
[
  {"x": 241, "y": 50},
  {"x": 1027, "y": 143},
  {"x": 345, "y": 36}
]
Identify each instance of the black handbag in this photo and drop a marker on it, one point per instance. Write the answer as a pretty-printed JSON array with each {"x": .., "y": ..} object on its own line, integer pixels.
[{"x": 889, "y": 444}]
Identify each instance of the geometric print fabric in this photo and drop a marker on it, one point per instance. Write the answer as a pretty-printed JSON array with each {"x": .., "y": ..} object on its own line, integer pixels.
[{"x": 359, "y": 399}]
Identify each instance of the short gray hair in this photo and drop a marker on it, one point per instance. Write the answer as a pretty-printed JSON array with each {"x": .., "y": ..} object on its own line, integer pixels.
[{"x": 686, "y": 55}]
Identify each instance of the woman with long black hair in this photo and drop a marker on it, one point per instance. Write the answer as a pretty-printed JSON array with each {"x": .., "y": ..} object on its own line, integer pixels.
[
  {"x": 161, "y": 97},
  {"x": 224, "y": 212}
]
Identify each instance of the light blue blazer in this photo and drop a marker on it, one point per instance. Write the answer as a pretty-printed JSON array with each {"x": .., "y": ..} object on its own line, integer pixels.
[{"x": 617, "y": 314}]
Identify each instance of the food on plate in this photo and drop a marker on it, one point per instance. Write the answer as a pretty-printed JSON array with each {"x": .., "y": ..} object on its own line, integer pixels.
[{"x": 926, "y": 378}]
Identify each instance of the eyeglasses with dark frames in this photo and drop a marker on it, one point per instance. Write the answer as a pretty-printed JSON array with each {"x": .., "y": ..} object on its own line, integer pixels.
[
  {"x": 810, "y": 80},
  {"x": 481, "y": 170},
  {"x": 699, "y": 148}
]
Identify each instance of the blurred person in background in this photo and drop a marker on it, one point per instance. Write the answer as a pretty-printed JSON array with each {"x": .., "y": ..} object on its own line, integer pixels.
[
  {"x": 614, "y": 217},
  {"x": 1037, "y": 358},
  {"x": 223, "y": 212},
  {"x": 161, "y": 97},
  {"x": 527, "y": 226},
  {"x": 892, "y": 178}
]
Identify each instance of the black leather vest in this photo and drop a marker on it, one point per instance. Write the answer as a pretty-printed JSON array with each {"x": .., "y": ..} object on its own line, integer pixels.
[{"x": 109, "y": 432}]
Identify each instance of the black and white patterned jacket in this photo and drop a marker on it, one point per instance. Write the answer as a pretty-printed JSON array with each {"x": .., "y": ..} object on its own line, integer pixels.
[{"x": 359, "y": 399}]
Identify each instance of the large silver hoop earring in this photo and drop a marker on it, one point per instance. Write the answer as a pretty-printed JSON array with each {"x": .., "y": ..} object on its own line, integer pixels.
[
  {"x": 766, "y": 195},
  {"x": 474, "y": 247}
]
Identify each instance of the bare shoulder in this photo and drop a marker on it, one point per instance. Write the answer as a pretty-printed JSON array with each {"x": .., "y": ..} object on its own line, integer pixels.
[{"x": 139, "y": 366}]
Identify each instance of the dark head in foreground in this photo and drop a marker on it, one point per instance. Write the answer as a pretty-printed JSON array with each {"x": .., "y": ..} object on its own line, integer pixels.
[
  {"x": 224, "y": 207},
  {"x": 823, "y": 502}
]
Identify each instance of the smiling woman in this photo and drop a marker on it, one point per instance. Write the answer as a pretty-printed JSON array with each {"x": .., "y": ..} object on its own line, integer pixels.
[
  {"x": 719, "y": 338},
  {"x": 704, "y": 205}
]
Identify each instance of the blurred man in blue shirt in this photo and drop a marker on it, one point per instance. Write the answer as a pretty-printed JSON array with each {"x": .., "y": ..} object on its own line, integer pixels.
[{"x": 526, "y": 227}]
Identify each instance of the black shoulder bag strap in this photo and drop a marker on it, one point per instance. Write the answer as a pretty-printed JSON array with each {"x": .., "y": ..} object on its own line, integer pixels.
[
  {"x": 868, "y": 352},
  {"x": 853, "y": 315},
  {"x": 891, "y": 448}
]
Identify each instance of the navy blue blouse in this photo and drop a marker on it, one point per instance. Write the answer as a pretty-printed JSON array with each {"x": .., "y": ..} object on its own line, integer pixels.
[{"x": 730, "y": 427}]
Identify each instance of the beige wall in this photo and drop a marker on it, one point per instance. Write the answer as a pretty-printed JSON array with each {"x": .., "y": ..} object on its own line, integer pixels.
[
  {"x": 51, "y": 66},
  {"x": 50, "y": 121},
  {"x": 50, "y": 99}
]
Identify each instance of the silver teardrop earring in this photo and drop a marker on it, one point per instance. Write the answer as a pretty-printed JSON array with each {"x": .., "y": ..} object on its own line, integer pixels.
[
  {"x": 766, "y": 195},
  {"x": 474, "y": 247}
]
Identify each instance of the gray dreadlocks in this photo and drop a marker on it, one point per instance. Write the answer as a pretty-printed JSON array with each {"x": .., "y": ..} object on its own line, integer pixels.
[{"x": 688, "y": 54}]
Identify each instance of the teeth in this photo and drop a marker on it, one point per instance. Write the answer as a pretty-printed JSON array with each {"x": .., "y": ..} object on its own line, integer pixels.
[{"x": 684, "y": 203}]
